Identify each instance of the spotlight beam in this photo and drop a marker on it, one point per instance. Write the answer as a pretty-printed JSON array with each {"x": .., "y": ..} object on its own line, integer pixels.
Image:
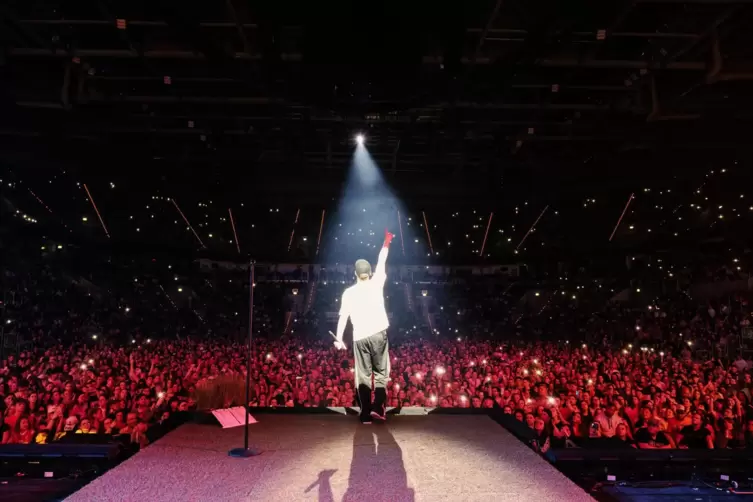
[
  {"x": 292, "y": 233},
  {"x": 188, "y": 223},
  {"x": 235, "y": 235},
  {"x": 532, "y": 227},
  {"x": 428, "y": 235},
  {"x": 168, "y": 297},
  {"x": 96, "y": 211},
  {"x": 486, "y": 234},
  {"x": 319, "y": 239},
  {"x": 40, "y": 201},
  {"x": 630, "y": 199}
]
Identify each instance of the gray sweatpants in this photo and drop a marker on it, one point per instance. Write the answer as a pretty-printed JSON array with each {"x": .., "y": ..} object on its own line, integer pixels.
[{"x": 372, "y": 357}]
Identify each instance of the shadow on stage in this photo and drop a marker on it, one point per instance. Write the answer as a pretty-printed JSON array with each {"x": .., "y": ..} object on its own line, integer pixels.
[{"x": 377, "y": 471}]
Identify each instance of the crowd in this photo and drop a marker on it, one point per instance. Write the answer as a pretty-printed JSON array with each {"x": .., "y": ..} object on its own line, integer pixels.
[
  {"x": 634, "y": 397},
  {"x": 651, "y": 378}
]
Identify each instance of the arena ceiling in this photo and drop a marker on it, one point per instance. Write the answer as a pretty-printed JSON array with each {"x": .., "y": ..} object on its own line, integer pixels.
[{"x": 485, "y": 95}]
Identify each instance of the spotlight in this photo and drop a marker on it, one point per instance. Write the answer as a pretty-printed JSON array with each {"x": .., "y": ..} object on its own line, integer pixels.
[{"x": 359, "y": 139}]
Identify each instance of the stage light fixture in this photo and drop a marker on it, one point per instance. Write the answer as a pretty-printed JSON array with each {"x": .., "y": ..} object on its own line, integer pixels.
[{"x": 360, "y": 139}]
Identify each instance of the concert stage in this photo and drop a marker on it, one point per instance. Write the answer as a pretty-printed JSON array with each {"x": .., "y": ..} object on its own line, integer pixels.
[{"x": 334, "y": 458}]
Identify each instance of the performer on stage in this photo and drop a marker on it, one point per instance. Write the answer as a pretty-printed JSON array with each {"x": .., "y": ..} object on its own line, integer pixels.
[{"x": 364, "y": 304}]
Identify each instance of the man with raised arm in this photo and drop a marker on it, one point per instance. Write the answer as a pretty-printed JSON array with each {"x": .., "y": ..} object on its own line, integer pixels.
[{"x": 364, "y": 304}]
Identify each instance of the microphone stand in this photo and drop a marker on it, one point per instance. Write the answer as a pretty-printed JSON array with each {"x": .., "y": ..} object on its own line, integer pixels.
[{"x": 246, "y": 451}]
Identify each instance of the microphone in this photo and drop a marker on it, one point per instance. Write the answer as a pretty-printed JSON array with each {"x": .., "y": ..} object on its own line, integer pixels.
[{"x": 335, "y": 337}]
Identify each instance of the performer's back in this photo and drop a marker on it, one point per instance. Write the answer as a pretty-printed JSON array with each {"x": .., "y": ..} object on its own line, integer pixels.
[{"x": 364, "y": 302}]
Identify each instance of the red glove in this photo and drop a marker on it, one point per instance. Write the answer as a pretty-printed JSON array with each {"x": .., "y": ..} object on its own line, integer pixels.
[{"x": 387, "y": 238}]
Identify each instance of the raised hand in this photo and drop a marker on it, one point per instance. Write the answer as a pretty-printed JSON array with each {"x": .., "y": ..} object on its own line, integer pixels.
[{"x": 388, "y": 237}]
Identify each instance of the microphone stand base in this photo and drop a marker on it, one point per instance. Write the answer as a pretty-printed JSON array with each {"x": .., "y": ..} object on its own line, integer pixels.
[{"x": 244, "y": 452}]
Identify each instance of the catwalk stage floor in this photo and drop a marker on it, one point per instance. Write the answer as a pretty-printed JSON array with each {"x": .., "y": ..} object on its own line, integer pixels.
[{"x": 334, "y": 458}]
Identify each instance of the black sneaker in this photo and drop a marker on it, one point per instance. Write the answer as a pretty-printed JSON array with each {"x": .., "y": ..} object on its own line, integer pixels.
[
  {"x": 378, "y": 417},
  {"x": 365, "y": 421}
]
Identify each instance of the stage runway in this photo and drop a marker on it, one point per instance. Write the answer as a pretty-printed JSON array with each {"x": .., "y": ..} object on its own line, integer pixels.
[{"x": 334, "y": 458}]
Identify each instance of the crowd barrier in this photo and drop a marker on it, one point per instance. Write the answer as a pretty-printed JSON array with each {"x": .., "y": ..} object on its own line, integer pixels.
[{"x": 107, "y": 450}]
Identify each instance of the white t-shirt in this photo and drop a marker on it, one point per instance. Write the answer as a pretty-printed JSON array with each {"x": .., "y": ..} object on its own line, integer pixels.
[{"x": 364, "y": 303}]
